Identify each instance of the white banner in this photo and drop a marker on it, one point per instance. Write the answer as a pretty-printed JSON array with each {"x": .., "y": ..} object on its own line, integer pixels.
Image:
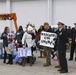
[
  {"x": 47, "y": 39},
  {"x": 24, "y": 52}
]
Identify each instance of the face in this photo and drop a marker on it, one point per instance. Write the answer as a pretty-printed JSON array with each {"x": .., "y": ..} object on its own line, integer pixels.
[
  {"x": 31, "y": 31},
  {"x": 12, "y": 31},
  {"x": 60, "y": 26},
  {"x": 46, "y": 27},
  {"x": 64, "y": 27},
  {"x": 8, "y": 41},
  {"x": 41, "y": 27},
  {"x": 8, "y": 30},
  {"x": 75, "y": 25},
  {"x": 20, "y": 28}
]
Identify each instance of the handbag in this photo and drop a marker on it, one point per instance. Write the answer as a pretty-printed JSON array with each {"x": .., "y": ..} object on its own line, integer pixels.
[{"x": 8, "y": 51}]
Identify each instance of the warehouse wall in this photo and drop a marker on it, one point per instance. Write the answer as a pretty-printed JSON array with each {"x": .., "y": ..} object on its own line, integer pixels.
[
  {"x": 3, "y": 11},
  {"x": 36, "y": 12},
  {"x": 64, "y": 10},
  {"x": 33, "y": 11}
]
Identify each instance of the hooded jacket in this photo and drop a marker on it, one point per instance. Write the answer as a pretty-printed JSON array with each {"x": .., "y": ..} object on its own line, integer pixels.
[
  {"x": 19, "y": 35},
  {"x": 27, "y": 40}
]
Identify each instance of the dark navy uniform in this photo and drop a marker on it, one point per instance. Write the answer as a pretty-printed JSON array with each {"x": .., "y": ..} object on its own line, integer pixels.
[
  {"x": 73, "y": 44},
  {"x": 61, "y": 47}
]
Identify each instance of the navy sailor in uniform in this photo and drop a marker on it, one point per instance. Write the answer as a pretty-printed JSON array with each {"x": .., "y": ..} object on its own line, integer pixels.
[
  {"x": 62, "y": 39},
  {"x": 73, "y": 44}
]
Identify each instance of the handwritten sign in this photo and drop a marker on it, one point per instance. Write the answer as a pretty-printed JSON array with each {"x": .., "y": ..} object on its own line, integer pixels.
[
  {"x": 47, "y": 39},
  {"x": 24, "y": 52}
]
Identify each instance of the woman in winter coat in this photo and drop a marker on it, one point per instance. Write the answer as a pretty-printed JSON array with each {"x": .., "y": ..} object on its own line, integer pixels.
[
  {"x": 28, "y": 43},
  {"x": 38, "y": 40}
]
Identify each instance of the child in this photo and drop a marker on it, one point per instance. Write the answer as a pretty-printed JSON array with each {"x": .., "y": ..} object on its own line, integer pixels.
[{"x": 11, "y": 47}]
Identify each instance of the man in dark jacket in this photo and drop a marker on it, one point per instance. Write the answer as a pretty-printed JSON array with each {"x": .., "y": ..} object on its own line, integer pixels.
[
  {"x": 19, "y": 34},
  {"x": 62, "y": 39},
  {"x": 73, "y": 44},
  {"x": 47, "y": 50},
  {"x": 69, "y": 32}
]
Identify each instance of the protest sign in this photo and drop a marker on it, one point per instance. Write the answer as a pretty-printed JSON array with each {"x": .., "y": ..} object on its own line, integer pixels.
[
  {"x": 48, "y": 39},
  {"x": 24, "y": 52},
  {"x": 21, "y": 52}
]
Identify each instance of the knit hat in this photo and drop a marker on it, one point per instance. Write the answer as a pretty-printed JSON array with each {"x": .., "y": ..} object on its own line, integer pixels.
[{"x": 29, "y": 28}]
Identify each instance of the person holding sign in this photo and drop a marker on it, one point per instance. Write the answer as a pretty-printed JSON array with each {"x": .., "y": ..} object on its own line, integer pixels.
[
  {"x": 62, "y": 39},
  {"x": 47, "y": 50}
]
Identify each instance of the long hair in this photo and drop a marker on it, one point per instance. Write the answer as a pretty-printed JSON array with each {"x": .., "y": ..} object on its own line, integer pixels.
[
  {"x": 5, "y": 29},
  {"x": 20, "y": 28},
  {"x": 39, "y": 30}
]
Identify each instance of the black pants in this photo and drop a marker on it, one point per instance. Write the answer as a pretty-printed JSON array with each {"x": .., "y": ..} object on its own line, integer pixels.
[
  {"x": 62, "y": 59},
  {"x": 73, "y": 46},
  {"x": 10, "y": 60},
  {"x": 33, "y": 49},
  {"x": 52, "y": 54},
  {"x": 5, "y": 56}
]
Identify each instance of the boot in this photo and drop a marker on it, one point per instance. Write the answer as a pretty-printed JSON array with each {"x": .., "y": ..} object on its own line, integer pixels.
[
  {"x": 40, "y": 54},
  {"x": 47, "y": 64},
  {"x": 30, "y": 61},
  {"x": 43, "y": 54},
  {"x": 8, "y": 60},
  {"x": 58, "y": 66},
  {"x": 24, "y": 62},
  {"x": 5, "y": 55},
  {"x": 75, "y": 58},
  {"x": 11, "y": 60}
]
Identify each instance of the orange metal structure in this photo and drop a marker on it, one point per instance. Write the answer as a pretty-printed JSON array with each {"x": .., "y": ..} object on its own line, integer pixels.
[{"x": 11, "y": 16}]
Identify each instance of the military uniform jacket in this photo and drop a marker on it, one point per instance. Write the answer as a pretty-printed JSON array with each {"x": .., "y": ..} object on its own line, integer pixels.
[
  {"x": 73, "y": 35},
  {"x": 62, "y": 39}
]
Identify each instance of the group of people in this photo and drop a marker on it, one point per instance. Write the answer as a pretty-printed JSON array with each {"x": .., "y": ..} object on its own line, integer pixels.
[
  {"x": 19, "y": 40},
  {"x": 30, "y": 39}
]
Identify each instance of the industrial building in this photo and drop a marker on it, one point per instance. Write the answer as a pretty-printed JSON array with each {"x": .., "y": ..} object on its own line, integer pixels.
[{"x": 38, "y": 11}]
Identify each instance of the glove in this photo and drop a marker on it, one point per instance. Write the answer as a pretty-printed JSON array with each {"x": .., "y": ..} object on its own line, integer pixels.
[
  {"x": 24, "y": 46},
  {"x": 54, "y": 39}
]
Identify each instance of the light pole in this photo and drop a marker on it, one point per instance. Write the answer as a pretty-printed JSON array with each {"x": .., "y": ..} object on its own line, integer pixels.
[
  {"x": 50, "y": 12},
  {"x": 8, "y": 10}
]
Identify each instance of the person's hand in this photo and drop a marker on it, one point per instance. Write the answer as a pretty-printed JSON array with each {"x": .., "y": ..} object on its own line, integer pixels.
[
  {"x": 17, "y": 44},
  {"x": 4, "y": 35},
  {"x": 70, "y": 42},
  {"x": 54, "y": 39},
  {"x": 24, "y": 46},
  {"x": 33, "y": 46}
]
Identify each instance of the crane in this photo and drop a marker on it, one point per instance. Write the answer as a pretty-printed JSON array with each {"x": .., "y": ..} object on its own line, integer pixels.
[{"x": 11, "y": 16}]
